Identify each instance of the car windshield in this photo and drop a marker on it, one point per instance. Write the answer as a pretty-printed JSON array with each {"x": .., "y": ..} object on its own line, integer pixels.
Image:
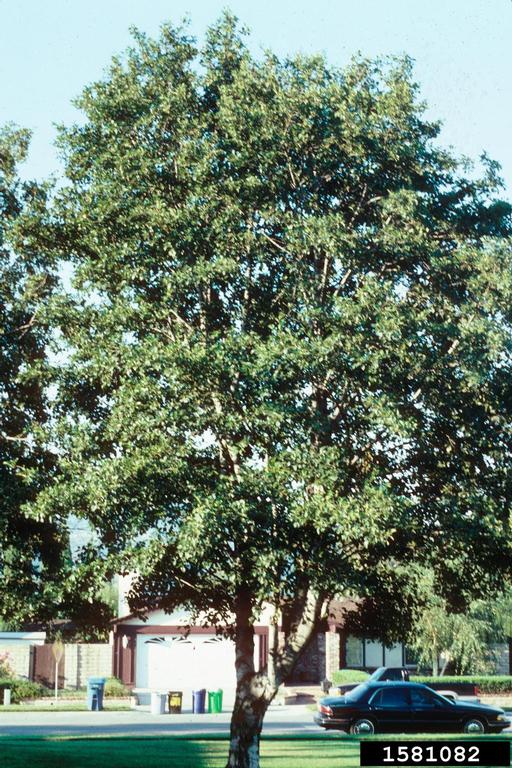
[{"x": 356, "y": 692}]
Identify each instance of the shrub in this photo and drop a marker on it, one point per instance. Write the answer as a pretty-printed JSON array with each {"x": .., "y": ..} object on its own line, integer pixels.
[
  {"x": 5, "y": 668},
  {"x": 486, "y": 683},
  {"x": 114, "y": 687},
  {"x": 349, "y": 676},
  {"x": 21, "y": 689},
  {"x": 64, "y": 693}
]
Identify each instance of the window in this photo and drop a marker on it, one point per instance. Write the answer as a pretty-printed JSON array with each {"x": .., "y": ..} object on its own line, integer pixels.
[
  {"x": 423, "y": 700},
  {"x": 391, "y": 698},
  {"x": 393, "y": 674},
  {"x": 354, "y": 652},
  {"x": 373, "y": 653},
  {"x": 356, "y": 693},
  {"x": 393, "y": 656}
]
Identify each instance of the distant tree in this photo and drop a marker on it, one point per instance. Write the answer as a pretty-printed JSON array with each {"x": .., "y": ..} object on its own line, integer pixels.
[
  {"x": 500, "y": 611},
  {"x": 462, "y": 640},
  {"x": 288, "y": 347}
]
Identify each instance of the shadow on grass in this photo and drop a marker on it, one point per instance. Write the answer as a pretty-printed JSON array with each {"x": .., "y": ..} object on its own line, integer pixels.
[
  {"x": 111, "y": 753},
  {"x": 180, "y": 752},
  {"x": 169, "y": 752}
]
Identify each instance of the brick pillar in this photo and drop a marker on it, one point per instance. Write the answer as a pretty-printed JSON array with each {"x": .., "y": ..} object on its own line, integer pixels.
[{"x": 332, "y": 653}]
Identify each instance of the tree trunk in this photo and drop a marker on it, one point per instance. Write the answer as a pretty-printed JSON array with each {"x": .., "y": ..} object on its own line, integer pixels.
[
  {"x": 273, "y": 645},
  {"x": 251, "y": 704},
  {"x": 253, "y": 693},
  {"x": 254, "y": 690}
]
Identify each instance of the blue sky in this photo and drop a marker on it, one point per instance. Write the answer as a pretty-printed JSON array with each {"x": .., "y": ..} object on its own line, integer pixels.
[{"x": 50, "y": 49}]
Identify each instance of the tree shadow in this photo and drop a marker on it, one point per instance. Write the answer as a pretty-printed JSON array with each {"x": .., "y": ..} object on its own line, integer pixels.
[{"x": 149, "y": 752}]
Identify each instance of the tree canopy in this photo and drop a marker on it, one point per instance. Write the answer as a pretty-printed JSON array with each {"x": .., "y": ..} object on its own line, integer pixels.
[
  {"x": 288, "y": 347},
  {"x": 32, "y": 550},
  {"x": 38, "y": 581}
]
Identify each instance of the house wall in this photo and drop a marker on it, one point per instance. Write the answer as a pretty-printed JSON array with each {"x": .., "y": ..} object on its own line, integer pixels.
[
  {"x": 83, "y": 660},
  {"x": 311, "y": 665},
  {"x": 321, "y": 660},
  {"x": 328, "y": 652},
  {"x": 19, "y": 658},
  {"x": 179, "y": 617}
]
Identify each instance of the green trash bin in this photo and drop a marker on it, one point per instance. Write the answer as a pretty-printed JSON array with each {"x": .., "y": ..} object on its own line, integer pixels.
[{"x": 215, "y": 702}]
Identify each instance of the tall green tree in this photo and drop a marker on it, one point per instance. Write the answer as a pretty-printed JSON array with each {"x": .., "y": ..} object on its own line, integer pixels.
[
  {"x": 38, "y": 581},
  {"x": 32, "y": 550},
  {"x": 288, "y": 344}
]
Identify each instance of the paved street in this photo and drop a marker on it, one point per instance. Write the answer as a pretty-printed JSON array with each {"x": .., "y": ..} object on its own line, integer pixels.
[
  {"x": 291, "y": 719},
  {"x": 279, "y": 720}
]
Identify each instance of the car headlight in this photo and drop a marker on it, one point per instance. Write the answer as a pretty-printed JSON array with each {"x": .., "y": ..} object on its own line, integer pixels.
[{"x": 504, "y": 717}]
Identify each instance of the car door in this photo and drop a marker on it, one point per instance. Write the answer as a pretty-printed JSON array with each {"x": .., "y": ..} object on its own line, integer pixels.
[
  {"x": 391, "y": 708},
  {"x": 430, "y": 712}
]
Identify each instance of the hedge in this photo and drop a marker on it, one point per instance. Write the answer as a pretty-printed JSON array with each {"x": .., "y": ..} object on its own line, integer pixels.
[
  {"x": 20, "y": 689},
  {"x": 349, "y": 676},
  {"x": 486, "y": 683}
]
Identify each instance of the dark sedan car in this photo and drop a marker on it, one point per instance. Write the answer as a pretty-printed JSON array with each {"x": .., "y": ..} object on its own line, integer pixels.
[{"x": 398, "y": 707}]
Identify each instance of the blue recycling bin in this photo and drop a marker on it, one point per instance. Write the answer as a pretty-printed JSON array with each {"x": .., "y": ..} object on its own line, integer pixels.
[
  {"x": 95, "y": 689},
  {"x": 199, "y": 701}
]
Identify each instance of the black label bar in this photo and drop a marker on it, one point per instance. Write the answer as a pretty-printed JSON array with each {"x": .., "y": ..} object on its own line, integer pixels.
[{"x": 449, "y": 753}]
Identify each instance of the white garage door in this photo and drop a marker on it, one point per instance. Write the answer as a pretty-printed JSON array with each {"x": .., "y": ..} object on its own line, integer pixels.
[{"x": 198, "y": 661}]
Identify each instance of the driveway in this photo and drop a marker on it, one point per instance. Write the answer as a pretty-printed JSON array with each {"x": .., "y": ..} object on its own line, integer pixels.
[{"x": 291, "y": 719}]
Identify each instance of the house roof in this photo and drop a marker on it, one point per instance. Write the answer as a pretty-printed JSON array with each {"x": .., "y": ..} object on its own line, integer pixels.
[
  {"x": 339, "y": 609},
  {"x": 337, "y": 613}
]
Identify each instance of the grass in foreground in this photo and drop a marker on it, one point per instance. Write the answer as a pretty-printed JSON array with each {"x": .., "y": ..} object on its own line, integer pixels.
[
  {"x": 175, "y": 752},
  {"x": 170, "y": 753}
]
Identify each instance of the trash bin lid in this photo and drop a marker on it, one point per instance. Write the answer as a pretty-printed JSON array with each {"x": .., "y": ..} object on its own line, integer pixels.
[{"x": 97, "y": 680}]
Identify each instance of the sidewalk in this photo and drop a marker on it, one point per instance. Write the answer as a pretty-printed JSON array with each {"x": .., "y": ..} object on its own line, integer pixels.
[{"x": 280, "y": 720}]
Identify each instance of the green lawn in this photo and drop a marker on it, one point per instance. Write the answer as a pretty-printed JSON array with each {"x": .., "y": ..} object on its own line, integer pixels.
[{"x": 169, "y": 752}]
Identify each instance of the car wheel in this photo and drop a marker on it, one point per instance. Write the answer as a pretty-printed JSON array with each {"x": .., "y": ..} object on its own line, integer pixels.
[
  {"x": 474, "y": 726},
  {"x": 362, "y": 727}
]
